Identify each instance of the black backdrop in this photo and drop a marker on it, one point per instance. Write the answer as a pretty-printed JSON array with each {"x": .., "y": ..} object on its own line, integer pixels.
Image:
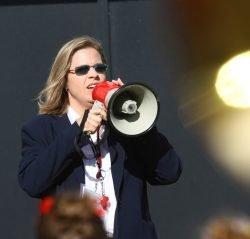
[{"x": 138, "y": 49}]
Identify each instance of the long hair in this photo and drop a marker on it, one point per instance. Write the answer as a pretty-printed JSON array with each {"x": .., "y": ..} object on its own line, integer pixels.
[{"x": 53, "y": 99}]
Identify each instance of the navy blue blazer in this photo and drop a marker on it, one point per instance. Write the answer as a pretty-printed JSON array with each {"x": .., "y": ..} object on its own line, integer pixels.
[{"x": 50, "y": 164}]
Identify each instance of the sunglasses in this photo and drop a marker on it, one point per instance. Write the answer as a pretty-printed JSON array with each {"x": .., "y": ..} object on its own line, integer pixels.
[{"x": 84, "y": 69}]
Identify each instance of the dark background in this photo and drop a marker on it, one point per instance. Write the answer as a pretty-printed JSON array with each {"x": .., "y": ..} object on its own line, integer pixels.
[{"x": 149, "y": 41}]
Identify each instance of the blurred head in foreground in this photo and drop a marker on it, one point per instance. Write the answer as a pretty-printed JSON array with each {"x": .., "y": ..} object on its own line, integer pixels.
[
  {"x": 69, "y": 217},
  {"x": 227, "y": 228}
]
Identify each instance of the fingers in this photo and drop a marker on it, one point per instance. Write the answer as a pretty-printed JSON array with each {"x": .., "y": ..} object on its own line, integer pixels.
[
  {"x": 98, "y": 114},
  {"x": 118, "y": 82},
  {"x": 94, "y": 120},
  {"x": 100, "y": 109}
]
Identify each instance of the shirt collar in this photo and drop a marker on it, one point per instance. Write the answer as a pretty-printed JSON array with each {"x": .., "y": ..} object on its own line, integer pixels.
[{"x": 72, "y": 115}]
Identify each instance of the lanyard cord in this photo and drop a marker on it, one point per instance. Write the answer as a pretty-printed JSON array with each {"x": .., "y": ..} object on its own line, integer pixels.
[
  {"x": 78, "y": 137},
  {"x": 97, "y": 152},
  {"x": 104, "y": 200},
  {"x": 95, "y": 147}
]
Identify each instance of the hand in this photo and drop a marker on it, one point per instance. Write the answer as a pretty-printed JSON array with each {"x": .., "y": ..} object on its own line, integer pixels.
[
  {"x": 95, "y": 117},
  {"x": 118, "y": 82}
]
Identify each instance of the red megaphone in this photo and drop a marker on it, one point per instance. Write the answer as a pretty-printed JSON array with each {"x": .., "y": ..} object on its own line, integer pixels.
[
  {"x": 132, "y": 109},
  {"x": 103, "y": 92}
]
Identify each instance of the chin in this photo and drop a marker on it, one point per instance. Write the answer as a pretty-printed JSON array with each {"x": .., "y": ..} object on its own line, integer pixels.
[{"x": 90, "y": 104}]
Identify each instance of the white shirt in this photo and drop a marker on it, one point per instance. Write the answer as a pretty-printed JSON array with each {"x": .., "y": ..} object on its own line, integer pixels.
[{"x": 91, "y": 170}]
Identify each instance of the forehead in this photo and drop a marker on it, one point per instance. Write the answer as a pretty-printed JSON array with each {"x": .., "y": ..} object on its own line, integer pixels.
[{"x": 88, "y": 56}]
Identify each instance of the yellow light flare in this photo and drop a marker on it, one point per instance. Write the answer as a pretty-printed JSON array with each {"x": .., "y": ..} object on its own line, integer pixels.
[
  {"x": 228, "y": 142},
  {"x": 233, "y": 81}
]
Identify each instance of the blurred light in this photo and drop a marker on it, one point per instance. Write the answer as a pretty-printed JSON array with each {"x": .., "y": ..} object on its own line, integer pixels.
[
  {"x": 229, "y": 139},
  {"x": 233, "y": 81},
  {"x": 224, "y": 131}
]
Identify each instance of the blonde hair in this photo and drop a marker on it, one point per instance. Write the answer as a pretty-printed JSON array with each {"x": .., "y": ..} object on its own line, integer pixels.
[{"x": 53, "y": 99}]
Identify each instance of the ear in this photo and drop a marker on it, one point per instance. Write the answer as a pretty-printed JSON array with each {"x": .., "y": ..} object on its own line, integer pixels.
[{"x": 67, "y": 90}]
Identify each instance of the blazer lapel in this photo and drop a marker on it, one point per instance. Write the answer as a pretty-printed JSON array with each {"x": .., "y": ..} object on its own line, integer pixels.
[
  {"x": 117, "y": 156},
  {"x": 62, "y": 124}
]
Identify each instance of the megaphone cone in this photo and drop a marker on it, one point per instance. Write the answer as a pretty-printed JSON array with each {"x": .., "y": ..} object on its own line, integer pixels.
[{"x": 132, "y": 108}]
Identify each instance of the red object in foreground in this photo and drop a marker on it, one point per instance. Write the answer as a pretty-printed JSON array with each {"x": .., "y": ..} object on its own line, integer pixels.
[
  {"x": 99, "y": 212},
  {"x": 101, "y": 90},
  {"x": 102, "y": 205},
  {"x": 46, "y": 205},
  {"x": 104, "y": 201}
]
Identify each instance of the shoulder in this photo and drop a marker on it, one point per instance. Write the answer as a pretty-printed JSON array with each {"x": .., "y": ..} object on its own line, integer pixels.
[
  {"x": 42, "y": 126},
  {"x": 40, "y": 120},
  {"x": 43, "y": 123}
]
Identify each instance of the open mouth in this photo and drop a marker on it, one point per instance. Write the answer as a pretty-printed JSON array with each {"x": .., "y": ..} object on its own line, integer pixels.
[{"x": 91, "y": 86}]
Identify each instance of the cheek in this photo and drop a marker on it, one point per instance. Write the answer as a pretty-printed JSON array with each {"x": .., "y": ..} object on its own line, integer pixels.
[
  {"x": 102, "y": 77},
  {"x": 75, "y": 83}
]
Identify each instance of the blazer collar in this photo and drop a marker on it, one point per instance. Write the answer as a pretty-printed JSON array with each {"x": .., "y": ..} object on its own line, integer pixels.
[{"x": 62, "y": 122}]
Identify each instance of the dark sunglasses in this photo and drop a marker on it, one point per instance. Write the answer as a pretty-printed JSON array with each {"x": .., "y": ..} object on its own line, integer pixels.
[{"x": 84, "y": 69}]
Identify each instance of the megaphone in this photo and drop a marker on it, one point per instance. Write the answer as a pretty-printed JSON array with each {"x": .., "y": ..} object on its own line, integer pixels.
[{"x": 132, "y": 109}]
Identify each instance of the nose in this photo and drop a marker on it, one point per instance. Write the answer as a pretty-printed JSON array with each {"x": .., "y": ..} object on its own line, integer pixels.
[{"x": 93, "y": 74}]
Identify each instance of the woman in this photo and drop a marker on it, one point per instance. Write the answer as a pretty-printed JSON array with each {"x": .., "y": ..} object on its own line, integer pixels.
[{"x": 114, "y": 169}]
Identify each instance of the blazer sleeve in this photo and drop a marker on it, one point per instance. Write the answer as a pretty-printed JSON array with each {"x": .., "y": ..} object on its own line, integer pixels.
[
  {"x": 157, "y": 156},
  {"x": 44, "y": 156}
]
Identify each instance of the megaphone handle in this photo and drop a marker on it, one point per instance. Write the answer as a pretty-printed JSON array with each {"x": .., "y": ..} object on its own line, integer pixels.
[{"x": 97, "y": 104}]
